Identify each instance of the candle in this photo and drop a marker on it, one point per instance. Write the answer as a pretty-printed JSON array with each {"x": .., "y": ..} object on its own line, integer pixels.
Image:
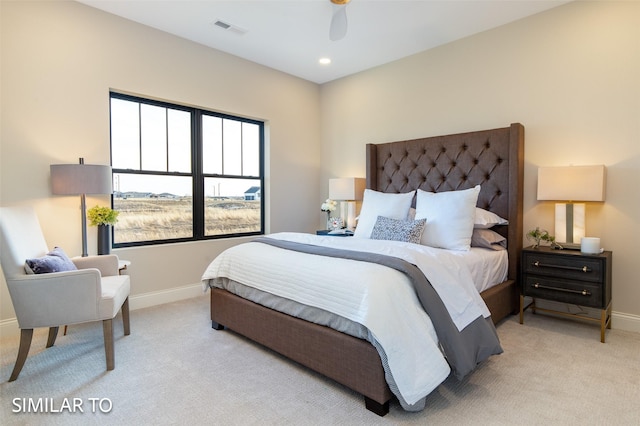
[{"x": 590, "y": 245}]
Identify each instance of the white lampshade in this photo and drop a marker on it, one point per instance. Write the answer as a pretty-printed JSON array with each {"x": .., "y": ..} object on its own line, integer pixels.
[
  {"x": 347, "y": 189},
  {"x": 571, "y": 183}
]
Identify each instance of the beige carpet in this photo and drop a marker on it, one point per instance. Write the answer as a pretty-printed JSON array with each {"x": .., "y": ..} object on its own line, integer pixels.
[{"x": 174, "y": 369}]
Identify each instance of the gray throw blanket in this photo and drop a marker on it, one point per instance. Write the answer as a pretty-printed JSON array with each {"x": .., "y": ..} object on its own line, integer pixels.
[{"x": 464, "y": 350}]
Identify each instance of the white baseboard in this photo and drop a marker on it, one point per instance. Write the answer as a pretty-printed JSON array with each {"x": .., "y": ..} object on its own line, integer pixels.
[
  {"x": 627, "y": 322},
  {"x": 9, "y": 327},
  {"x": 164, "y": 296}
]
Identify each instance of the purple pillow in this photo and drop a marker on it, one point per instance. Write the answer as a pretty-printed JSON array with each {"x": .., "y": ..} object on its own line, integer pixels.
[{"x": 54, "y": 261}]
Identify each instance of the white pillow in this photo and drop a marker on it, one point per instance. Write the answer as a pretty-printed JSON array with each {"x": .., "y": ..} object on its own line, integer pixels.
[
  {"x": 450, "y": 216},
  {"x": 374, "y": 204},
  {"x": 488, "y": 239},
  {"x": 486, "y": 219}
]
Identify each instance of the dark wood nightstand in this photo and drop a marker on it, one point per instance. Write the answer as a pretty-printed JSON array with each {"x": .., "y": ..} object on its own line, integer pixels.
[{"x": 567, "y": 276}]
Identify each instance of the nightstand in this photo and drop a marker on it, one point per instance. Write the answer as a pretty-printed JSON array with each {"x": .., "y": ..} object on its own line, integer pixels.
[{"x": 567, "y": 276}]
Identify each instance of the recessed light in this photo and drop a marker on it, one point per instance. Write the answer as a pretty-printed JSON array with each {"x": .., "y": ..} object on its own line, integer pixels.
[{"x": 324, "y": 61}]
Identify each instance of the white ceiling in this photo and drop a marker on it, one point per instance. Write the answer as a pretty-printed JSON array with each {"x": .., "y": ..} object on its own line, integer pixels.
[{"x": 291, "y": 36}]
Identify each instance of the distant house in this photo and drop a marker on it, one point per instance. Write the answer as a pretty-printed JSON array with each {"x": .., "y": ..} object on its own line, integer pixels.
[{"x": 252, "y": 193}]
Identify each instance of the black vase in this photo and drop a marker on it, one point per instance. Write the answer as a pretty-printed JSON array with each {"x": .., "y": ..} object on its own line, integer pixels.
[{"x": 104, "y": 239}]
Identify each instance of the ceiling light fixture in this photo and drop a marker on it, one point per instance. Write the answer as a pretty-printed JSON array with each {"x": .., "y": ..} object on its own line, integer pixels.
[
  {"x": 324, "y": 61},
  {"x": 338, "y": 27}
]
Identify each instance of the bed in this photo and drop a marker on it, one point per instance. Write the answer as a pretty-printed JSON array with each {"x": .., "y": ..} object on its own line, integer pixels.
[{"x": 492, "y": 159}]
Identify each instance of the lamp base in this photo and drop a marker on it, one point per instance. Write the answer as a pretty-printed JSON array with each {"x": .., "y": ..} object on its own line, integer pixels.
[
  {"x": 568, "y": 246},
  {"x": 569, "y": 223}
]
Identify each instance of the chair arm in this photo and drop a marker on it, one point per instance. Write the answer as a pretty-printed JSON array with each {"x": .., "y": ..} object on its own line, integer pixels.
[
  {"x": 58, "y": 298},
  {"x": 107, "y": 264}
]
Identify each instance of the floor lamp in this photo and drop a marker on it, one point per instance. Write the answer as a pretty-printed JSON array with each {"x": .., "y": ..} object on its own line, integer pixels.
[{"x": 81, "y": 179}]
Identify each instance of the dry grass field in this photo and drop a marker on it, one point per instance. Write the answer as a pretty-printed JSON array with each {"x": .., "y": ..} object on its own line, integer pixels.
[{"x": 146, "y": 219}]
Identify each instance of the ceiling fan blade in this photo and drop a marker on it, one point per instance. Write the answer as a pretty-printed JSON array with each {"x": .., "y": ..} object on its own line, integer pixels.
[{"x": 338, "y": 28}]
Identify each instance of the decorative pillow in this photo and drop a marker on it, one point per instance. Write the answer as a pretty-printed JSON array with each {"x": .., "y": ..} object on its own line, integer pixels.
[
  {"x": 486, "y": 219},
  {"x": 374, "y": 204},
  {"x": 450, "y": 216},
  {"x": 54, "y": 261},
  {"x": 488, "y": 239},
  {"x": 409, "y": 231}
]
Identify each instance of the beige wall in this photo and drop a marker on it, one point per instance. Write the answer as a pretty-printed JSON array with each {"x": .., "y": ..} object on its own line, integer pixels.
[
  {"x": 570, "y": 75},
  {"x": 59, "y": 60}
]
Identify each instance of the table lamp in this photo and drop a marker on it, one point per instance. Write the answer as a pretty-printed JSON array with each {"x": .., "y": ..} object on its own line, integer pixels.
[
  {"x": 571, "y": 183},
  {"x": 348, "y": 191}
]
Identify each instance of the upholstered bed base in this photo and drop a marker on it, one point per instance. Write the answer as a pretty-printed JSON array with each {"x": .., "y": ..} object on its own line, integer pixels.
[{"x": 348, "y": 360}]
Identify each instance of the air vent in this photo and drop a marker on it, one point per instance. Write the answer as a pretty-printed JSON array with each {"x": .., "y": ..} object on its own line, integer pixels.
[
  {"x": 222, "y": 25},
  {"x": 229, "y": 27}
]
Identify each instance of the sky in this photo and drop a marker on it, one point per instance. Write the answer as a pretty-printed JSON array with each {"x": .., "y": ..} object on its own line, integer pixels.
[{"x": 158, "y": 139}]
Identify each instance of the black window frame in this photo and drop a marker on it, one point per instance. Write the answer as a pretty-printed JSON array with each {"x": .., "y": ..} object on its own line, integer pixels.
[{"x": 197, "y": 174}]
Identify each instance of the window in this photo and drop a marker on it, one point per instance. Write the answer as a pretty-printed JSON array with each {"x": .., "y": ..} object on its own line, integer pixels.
[{"x": 182, "y": 173}]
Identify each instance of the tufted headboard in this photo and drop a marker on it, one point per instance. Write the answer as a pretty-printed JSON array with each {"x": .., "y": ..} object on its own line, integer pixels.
[{"x": 493, "y": 159}]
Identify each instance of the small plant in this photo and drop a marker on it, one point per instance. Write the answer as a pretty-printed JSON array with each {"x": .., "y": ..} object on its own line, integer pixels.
[
  {"x": 539, "y": 235},
  {"x": 102, "y": 216}
]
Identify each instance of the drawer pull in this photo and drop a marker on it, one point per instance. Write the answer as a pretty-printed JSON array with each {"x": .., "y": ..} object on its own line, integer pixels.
[
  {"x": 570, "y": 268},
  {"x": 566, "y": 290}
]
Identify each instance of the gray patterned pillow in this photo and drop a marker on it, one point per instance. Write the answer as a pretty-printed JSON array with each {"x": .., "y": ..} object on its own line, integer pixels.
[{"x": 409, "y": 231}]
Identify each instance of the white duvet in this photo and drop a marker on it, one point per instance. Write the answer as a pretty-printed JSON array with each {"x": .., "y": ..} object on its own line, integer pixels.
[{"x": 380, "y": 298}]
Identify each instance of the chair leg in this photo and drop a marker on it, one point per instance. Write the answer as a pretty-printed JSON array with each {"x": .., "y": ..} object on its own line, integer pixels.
[
  {"x": 26, "y": 334},
  {"x": 107, "y": 328},
  {"x": 53, "y": 333},
  {"x": 125, "y": 317}
]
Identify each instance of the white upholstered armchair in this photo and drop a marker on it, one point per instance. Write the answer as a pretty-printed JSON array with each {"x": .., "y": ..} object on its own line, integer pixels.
[{"x": 93, "y": 292}]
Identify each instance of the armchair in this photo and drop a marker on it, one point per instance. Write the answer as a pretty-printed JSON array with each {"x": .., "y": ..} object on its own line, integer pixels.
[{"x": 94, "y": 292}]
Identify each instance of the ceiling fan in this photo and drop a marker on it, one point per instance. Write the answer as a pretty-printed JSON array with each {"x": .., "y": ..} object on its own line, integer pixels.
[{"x": 338, "y": 28}]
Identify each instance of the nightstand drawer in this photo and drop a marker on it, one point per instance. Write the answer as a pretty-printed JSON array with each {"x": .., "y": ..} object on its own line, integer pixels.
[
  {"x": 574, "y": 292},
  {"x": 581, "y": 268}
]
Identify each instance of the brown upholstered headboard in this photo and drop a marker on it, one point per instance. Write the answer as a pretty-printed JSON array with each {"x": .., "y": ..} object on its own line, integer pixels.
[{"x": 493, "y": 159}]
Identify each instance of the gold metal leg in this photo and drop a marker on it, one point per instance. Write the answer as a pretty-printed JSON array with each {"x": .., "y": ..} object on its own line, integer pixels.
[
  {"x": 523, "y": 308},
  {"x": 603, "y": 323}
]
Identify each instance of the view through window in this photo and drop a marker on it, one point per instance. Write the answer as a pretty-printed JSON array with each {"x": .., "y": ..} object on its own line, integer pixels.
[{"x": 183, "y": 173}]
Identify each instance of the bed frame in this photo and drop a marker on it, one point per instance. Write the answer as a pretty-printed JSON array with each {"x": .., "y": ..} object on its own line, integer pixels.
[{"x": 492, "y": 158}]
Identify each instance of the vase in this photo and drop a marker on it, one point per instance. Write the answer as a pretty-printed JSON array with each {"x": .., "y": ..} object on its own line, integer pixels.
[{"x": 104, "y": 239}]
